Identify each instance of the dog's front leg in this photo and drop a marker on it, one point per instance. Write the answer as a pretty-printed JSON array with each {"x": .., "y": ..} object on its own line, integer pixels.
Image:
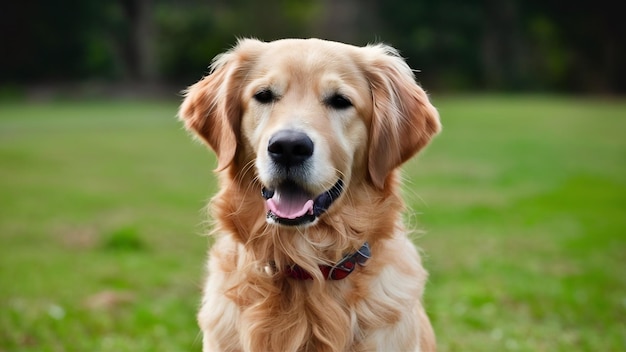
[{"x": 219, "y": 316}]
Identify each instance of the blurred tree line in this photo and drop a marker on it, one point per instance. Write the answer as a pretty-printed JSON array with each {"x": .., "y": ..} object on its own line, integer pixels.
[{"x": 513, "y": 45}]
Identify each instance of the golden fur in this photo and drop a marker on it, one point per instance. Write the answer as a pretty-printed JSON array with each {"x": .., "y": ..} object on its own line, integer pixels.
[{"x": 249, "y": 304}]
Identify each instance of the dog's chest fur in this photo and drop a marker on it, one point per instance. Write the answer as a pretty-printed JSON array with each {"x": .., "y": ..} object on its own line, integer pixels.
[{"x": 369, "y": 309}]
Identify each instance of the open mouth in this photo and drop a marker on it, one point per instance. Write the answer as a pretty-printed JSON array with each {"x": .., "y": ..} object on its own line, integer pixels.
[{"x": 289, "y": 204}]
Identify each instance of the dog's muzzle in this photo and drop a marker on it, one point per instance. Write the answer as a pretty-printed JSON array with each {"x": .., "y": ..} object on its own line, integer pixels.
[{"x": 289, "y": 203}]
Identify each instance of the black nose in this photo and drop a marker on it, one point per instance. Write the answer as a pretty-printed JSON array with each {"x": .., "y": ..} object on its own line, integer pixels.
[{"x": 289, "y": 147}]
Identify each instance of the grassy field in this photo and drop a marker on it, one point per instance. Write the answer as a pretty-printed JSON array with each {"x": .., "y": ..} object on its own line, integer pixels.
[{"x": 522, "y": 201}]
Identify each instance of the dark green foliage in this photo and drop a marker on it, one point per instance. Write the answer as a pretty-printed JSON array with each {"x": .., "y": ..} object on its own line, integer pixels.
[{"x": 510, "y": 45}]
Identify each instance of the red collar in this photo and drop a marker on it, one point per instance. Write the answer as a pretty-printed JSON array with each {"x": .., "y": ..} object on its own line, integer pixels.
[{"x": 336, "y": 272}]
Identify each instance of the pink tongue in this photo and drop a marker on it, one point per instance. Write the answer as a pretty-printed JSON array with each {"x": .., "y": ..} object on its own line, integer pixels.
[{"x": 290, "y": 207}]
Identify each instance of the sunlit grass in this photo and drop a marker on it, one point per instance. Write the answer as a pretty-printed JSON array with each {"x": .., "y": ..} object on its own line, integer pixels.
[
  {"x": 101, "y": 222},
  {"x": 521, "y": 200}
]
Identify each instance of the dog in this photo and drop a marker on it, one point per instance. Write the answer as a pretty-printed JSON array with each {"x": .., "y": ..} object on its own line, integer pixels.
[{"x": 310, "y": 252}]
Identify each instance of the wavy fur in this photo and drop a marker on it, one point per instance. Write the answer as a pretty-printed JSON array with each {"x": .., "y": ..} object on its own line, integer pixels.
[{"x": 248, "y": 304}]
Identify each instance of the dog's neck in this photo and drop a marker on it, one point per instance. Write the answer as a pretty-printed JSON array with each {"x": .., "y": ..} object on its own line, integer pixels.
[
  {"x": 339, "y": 271},
  {"x": 306, "y": 254}
]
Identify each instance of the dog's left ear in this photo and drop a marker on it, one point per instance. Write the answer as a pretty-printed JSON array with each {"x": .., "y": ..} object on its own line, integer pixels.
[{"x": 403, "y": 120}]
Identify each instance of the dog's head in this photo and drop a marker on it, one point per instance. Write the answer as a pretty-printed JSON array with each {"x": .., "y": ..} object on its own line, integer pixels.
[{"x": 310, "y": 118}]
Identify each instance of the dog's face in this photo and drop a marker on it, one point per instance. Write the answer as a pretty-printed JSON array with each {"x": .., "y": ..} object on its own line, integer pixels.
[
  {"x": 306, "y": 122},
  {"x": 310, "y": 119}
]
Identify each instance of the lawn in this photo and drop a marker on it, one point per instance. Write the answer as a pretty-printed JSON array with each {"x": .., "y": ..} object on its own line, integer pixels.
[{"x": 520, "y": 201}]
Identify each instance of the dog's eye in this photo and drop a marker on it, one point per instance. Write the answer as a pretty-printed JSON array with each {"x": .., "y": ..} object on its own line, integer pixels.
[
  {"x": 264, "y": 96},
  {"x": 339, "y": 102}
]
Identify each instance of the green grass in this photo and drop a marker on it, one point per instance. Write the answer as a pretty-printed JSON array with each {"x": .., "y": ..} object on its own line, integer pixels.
[{"x": 522, "y": 201}]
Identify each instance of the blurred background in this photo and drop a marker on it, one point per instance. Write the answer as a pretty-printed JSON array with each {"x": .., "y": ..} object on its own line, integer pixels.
[
  {"x": 457, "y": 45},
  {"x": 518, "y": 205}
]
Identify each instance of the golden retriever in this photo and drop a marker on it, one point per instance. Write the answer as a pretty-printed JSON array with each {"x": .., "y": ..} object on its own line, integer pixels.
[{"x": 310, "y": 251}]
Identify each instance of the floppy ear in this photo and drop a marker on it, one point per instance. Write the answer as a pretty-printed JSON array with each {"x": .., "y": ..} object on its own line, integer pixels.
[
  {"x": 212, "y": 106},
  {"x": 403, "y": 120}
]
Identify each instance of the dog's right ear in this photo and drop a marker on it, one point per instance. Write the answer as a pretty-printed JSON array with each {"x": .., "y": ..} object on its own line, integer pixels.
[{"x": 212, "y": 106}]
